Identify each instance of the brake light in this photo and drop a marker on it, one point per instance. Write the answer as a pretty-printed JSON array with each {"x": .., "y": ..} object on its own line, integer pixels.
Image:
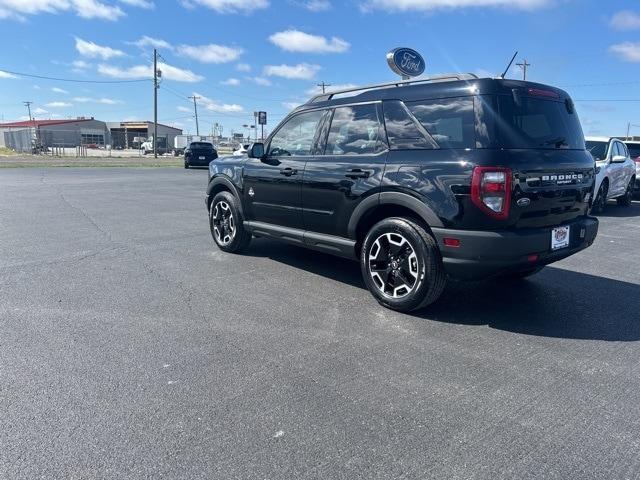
[
  {"x": 637, "y": 159},
  {"x": 491, "y": 190},
  {"x": 538, "y": 92}
]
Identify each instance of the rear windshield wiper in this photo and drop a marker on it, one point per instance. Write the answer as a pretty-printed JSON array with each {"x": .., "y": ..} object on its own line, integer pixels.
[{"x": 557, "y": 142}]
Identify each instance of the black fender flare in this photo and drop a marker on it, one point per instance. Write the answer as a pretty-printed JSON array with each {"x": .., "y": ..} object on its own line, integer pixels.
[
  {"x": 223, "y": 180},
  {"x": 392, "y": 198}
]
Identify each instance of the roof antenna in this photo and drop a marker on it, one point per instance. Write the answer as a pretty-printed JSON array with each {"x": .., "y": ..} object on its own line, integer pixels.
[{"x": 508, "y": 66}]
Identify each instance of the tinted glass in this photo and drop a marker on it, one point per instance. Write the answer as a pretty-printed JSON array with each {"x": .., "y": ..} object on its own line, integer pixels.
[
  {"x": 450, "y": 121},
  {"x": 403, "y": 131},
  {"x": 634, "y": 151},
  {"x": 201, "y": 146},
  {"x": 597, "y": 149},
  {"x": 296, "y": 136},
  {"x": 354, "y": 131},
  {"x": 538, "y": 123}
]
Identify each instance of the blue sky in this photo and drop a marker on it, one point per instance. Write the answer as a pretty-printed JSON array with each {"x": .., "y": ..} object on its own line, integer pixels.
[{"x": 247, "y": 55}]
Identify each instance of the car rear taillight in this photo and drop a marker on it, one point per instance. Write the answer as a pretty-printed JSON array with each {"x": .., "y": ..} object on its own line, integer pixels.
[
  {"x": 491, "y": 190},
  {"x": 637, "y": 159}
]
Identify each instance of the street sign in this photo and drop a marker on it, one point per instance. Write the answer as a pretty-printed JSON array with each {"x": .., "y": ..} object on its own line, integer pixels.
[
  {"x": 262, "y": 118},
  {"x": 406, "y": 62}
]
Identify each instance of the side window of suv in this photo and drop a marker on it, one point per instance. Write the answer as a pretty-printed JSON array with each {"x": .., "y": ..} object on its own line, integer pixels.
[
  {"x": 295, "y": 138},
  {"x": 450, "y": 121},
  {"x": 403, "y": 130},
  {"x": 355, "y": 131}
]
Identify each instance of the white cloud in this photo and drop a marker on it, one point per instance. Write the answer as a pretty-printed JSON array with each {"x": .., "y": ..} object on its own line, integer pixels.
[
  {"x": 102, "y": 101},
  {"x": 58, "y": 104},
  {"x": 146, "y": 4},
  {"x": 40, "y": 111},
  {"x": 297, "y": 41},
  {"x": 625, "y": 20},
  {"x": 185, "y": 109},
  {"x": 301, "y": 71},
  {"x": 211, "y": 53},
  {"x": 83, "y": 8},
  {"x": 93, "y": 50},
  {"x": 146, "y": 41},
  {"x": 58, "y": 90},
  {"x": 317, "y": 89},
  {"x": 146, "y": 71},
  {"x": 92, "y": 9},
  {"x": 431, "y": 5},
  {"x": 317, "y": 5},
  {"x": 291, "y": 105},
  {"x": 229, "y": 6},
  {"x": 6, "y": 75},
  {"x": 232, "y": 82},
  {"x": 215, "y": 106},
  {"x": 80, "y": 65},
  {"x": 264, "y": 82},
  {"x": 627, "y": 51},
  {"x": 243, "y": 67}
]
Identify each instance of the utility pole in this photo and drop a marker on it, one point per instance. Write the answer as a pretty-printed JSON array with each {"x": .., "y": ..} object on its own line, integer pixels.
[
  {"x": 155, "y": 103},
  {"x": 28, "y": 105},
  {"x": 524, "y": 65},
  {"x": 323, "y": 85},
  {"x": 195, "y": 109}
]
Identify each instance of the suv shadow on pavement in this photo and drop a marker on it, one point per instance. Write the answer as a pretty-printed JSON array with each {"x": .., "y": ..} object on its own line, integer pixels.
[{"x": 554, "y": 303}]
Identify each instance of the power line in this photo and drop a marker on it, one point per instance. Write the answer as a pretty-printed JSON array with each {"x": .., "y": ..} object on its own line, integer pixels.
[
  {"x": 43, "y": 77},
  {"x": 323, "y": 85},
  {"x": 28, "y": 105}
]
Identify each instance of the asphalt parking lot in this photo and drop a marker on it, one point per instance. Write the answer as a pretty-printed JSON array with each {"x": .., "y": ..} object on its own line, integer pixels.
[{"x": 130, "y": 347}]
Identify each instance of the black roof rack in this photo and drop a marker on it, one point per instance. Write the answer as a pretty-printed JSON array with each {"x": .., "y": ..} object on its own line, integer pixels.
[{"x": 323, "y": 97}]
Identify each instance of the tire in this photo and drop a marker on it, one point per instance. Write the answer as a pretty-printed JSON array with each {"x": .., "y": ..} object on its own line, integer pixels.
[
  {"x": 186, "y": 165},
  {"x": 601, "y": 198},
  {"x": 401, "y": 265},
  {"x": 226, "y": 224},
  {"x": 626, "y": 199}
]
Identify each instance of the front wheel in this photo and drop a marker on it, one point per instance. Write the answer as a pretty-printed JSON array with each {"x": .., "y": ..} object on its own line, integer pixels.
[
  {"x": 401, "y": 265},
  {"x": 225, "y": 222},
  {"x": 626, "y": 199}
]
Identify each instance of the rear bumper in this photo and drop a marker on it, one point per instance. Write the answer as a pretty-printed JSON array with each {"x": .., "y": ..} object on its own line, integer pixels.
[{"x": 485, "y": 254}]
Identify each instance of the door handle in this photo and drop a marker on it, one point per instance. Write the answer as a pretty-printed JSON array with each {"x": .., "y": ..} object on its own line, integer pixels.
[
  {"x": 357, "y": 173},
  {"x": 287, "y": 172}
]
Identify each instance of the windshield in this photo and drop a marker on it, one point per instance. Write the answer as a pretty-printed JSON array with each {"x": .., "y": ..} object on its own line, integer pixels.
[
  {"x": 201, "y": 146},
  {"x": 538, "y": 123},
  {"x": 597, "y": 149},
  {"x": 634, "y": 150}
]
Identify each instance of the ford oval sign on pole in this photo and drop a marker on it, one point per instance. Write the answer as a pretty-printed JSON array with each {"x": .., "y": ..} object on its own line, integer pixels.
[{"x": 406, "y": 62}]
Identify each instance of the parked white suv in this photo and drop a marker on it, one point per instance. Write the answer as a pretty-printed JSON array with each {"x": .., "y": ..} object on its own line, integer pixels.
[
  {"x": 634, "y": 152},
  {"x": 615, "y": 171}
]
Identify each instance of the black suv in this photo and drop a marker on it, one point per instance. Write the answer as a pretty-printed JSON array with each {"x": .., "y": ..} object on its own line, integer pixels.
[
  {"x": 422, "y": 180},
  {"x": 199, "y": 154}
]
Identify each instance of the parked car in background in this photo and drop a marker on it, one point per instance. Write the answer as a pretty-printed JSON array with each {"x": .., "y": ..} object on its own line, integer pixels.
[
  {"x": 421, "y": 181},
  {"x": 241, "y": 150},
  {"x": 634, "y": 153},
  {"x": 615, "y": 172},
  {"x": 199, "y": 154}
]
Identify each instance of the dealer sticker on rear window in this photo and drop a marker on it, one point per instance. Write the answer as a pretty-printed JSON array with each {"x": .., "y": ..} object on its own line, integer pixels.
[{"x": 559, "y": 238}]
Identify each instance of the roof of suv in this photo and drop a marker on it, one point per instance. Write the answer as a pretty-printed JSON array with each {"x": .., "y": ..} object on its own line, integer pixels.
[
  {"x": 598, "y": 139},
  {"x": 419, "y": 90}
]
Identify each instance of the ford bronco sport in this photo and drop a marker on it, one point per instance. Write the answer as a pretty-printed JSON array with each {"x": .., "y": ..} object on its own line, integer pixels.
[{"x": 419, "y": 180}]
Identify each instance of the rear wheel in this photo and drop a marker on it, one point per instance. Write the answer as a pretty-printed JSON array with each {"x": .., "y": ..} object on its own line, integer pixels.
[
  {"x": 601, "y": 198},
  {"x": 626, "y": 199},
  {"x": 186, "y": 164},
  {"x": 401, "y": 265},
  {"x": 226, "y": 224}
]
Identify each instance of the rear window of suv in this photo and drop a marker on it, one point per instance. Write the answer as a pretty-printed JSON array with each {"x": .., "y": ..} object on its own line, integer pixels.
[{"x": 536, "y": 123}]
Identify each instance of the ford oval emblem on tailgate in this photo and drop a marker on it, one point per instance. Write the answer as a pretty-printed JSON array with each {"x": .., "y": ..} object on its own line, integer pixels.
[{"x": 524, "y": 202}]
